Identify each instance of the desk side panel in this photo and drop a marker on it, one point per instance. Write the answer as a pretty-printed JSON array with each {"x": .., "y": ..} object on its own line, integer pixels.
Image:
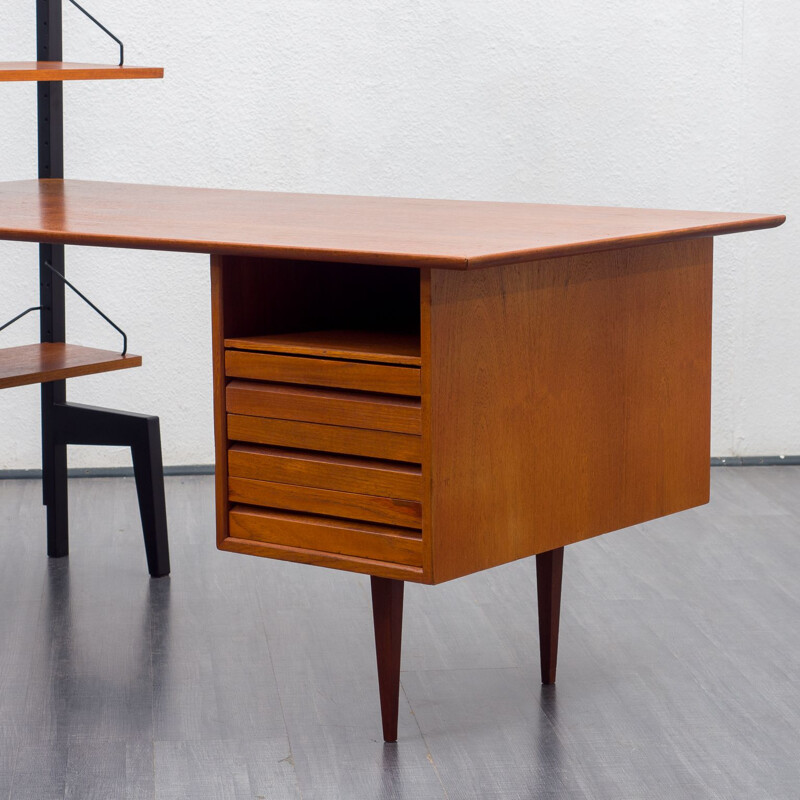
[{"x": 568, "y": 398}]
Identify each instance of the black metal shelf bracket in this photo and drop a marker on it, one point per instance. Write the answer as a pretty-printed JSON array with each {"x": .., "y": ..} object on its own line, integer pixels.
[
  {"x": 104, "y": 29},
  {"x": 92, "y": 306},
  {"x": 19, "y": 317},
  {"x": 82, "y": 297}
]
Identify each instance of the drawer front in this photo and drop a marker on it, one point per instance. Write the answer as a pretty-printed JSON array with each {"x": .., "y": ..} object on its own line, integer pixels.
[
  {"x": 327, "y": 438},
  {"x": 340, "y": 473},
  {"x": 368, "y": 508},
  {"x": 380, "y": 543},
  {"x": 326, "y": 406},
  {"x": 323, "y": 372}
]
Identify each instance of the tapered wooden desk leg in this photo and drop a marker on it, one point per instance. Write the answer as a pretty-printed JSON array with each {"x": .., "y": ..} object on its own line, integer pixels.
[
  {"x": 549, "y": 567},
  {"x": 387, "y": 614}
]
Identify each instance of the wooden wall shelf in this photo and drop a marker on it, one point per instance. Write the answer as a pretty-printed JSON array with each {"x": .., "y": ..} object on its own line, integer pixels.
[
  {"x": 69, "y": 71},
  {"x": 55, "y": 361}
]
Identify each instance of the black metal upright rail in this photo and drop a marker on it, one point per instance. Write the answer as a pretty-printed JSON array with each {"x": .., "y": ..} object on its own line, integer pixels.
[
  {"x": 66, "y": 423},
  {"x": 50, "y": 109}
]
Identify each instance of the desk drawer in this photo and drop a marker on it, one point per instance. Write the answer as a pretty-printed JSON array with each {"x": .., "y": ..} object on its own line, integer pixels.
[
  {"x": 328, "y": 372},
  {"x": 368, "y": 508},
  {"x": 327, "y": 406},
  {"x": 377, "y": 542},
  {"x": 340, "y": 473},
  {"x": 327, "y": 438}
]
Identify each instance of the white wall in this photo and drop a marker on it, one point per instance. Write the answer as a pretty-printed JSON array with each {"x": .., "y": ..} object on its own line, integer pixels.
[{"x": 640, "y": 103}]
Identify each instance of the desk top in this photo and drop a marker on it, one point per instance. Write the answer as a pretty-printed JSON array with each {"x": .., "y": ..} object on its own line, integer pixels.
[{"x": 449, "y": 234}]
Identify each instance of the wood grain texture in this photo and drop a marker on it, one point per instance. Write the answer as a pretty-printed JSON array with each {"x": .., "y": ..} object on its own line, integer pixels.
[
  {"x": 71, "y": 71},
  {"x": 326, "y": 406},
  {"x": 324, "y": 471},
  {"x": 446, "y": 234},
  {"x": 568, "y": 398},
  {"x": 329, "y": 372},
  {"x": 55, "y": 361},
  {"x": 326, "y": 438},
  {"x": 368, "y": 508},
  {"x": 319, "y": 558},
  {"x": 385, "y": 347},
  {"x": 340, "y": 537}
]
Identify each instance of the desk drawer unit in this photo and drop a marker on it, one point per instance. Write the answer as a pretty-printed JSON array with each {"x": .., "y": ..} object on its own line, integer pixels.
[{"x": 323, "y": 459}]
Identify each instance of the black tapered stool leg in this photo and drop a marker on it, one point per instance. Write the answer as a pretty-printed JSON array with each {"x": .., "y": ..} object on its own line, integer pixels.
[
  {"x": 54, "y": 480},
  {"x": 149, "y": 473},
  {"x": 74, "y": 423},
  {"x": 54, "y": 472},
  {"x": 549, "y": 568},
  {"x": 387, "y": 615}
]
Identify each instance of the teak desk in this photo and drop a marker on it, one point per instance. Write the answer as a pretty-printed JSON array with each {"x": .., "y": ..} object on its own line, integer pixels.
[{"x": 417, "y": 390}]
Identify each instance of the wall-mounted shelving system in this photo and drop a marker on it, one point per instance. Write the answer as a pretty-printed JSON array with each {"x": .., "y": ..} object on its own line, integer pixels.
[{"x": 52, "y": 360}]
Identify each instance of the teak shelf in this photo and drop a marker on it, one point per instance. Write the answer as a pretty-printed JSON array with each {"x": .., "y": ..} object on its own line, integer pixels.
[
  {"x": 56, "y": 361},
  {"x": 385, "y": 347},
  {"x": 57, "y": 71}
]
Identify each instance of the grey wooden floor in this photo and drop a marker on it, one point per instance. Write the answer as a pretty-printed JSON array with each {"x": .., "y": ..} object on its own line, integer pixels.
[{"x": 243, "y": 678}]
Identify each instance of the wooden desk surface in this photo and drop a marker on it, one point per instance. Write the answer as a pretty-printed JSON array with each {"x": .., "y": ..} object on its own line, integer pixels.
[{"x": 369, "y": 230}]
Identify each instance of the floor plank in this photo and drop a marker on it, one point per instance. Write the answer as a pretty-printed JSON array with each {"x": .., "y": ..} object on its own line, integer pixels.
[{"x": 239, "y": 677}]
